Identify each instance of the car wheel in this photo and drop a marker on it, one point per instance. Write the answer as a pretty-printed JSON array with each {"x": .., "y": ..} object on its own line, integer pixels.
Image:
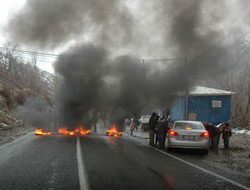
[
  {"x": 205, "y": 151},
  {"x": 169, "y": 148}
]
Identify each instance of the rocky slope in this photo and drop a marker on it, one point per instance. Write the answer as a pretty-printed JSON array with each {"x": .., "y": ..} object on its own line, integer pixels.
[{"x": 14, "y": 91}]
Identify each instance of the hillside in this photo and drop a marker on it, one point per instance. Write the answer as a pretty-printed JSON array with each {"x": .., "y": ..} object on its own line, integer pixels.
[{"x": 20, "y": 81}]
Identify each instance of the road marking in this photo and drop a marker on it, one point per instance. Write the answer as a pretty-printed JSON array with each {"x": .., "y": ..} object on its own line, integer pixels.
[
  {"x": 198, "y": 167},
  {"x": 15, "y": 141},
  {"x": 81, "y": 170}
]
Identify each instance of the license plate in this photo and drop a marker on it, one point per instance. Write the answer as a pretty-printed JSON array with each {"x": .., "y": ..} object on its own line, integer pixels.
[{"x": 189, "y": 137}]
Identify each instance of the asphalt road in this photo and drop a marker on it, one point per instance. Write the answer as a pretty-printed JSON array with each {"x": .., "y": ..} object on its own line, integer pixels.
[{"x": 101, "y": 162}]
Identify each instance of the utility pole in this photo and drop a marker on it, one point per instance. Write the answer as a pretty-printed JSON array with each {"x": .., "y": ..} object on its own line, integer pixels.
[
  {"x": 144, "y": 76},
  {"x": 144, "y": 71},
  {"x": 33, "y": 76},
  {"x": 231, "y": 77},
  {"x": 186, "y": 94}
]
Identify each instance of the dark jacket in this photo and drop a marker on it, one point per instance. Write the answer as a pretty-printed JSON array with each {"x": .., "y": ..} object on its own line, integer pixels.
[
  {"x": 227, "y": 132},
  {"x": 153, "y": 122},
  {"x": 212, "y": 130},
  {"x": 162, "y": 127}
]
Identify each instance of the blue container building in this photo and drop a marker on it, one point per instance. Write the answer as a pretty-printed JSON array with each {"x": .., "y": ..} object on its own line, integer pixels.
[{"x": 204, "y": 104}]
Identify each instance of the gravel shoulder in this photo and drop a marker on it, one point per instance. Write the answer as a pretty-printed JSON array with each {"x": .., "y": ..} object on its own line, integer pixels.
[
  {"x": 236, "y": 158},
  {"x": 7, "y": 136}
]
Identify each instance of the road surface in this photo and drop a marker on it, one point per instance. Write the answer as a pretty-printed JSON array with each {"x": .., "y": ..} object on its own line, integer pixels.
[{"x": 101, "y": 162}]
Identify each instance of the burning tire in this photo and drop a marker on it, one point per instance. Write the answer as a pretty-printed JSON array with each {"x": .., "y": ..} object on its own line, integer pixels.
[
  {"x": 113, "y": 132},
  {"x": 41, "y": 132}
]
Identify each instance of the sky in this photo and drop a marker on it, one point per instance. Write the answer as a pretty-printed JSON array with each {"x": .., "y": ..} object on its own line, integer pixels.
[
  {"x": 231, "y": 22},
  {"x": 10, "y": 7},
  {"x": 7, "y": 8}
]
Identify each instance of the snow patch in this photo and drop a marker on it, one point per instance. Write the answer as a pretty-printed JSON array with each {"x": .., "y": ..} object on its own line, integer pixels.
[{"x": 241, "y": 131}]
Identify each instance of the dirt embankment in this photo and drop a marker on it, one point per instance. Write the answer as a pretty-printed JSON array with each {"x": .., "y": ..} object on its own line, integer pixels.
[{"x": 10, "y": 127}]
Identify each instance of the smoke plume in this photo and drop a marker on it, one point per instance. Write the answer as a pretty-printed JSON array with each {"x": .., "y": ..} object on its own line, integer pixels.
[
  {"x": 51, "y": 23},
  {"x": 202, "y": 47},
  {"x": 81, "y": 69}
]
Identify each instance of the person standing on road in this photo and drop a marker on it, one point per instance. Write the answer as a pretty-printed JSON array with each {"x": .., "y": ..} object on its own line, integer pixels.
[
  {"x": 208, "y": 127},
  {"x": 157, "y": 134},
  {"x": 152, "y": 123},
  {"x": 226, "y": 134},
  {"x": 216, "y": 136},
  {"x": 132, "y": 127},
  {"x": 220, "y": 129},
  {"x": 213, "y": 132},
  {"x": 161, "y": 131},
  {"x": 165, "y": 132}
]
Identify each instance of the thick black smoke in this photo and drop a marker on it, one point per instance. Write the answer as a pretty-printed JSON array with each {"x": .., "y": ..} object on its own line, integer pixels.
[
  {"x": 202, "y": 48},
  {"x": 81, "y": 69},
  {"x": 51, "y": 23},
  {"x": 128, "y": 92},
  {"x": 92, "y": 82}
]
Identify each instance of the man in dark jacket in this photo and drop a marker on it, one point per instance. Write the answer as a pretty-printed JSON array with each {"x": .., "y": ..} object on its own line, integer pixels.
[
  {"x": 152, "y": 123},
  {"x": 226, "y": 134},
  {"x": 161, "y": 130},
  {"x": 213, "y": 132},
  {"x": 165, "y": 132}
]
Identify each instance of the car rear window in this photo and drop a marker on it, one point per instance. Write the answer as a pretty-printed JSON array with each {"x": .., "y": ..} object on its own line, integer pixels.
[{"x": 191, "y": 126}]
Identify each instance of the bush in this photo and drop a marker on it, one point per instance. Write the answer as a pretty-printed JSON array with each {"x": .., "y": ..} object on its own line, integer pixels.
[{"x": 21, "y": 98}]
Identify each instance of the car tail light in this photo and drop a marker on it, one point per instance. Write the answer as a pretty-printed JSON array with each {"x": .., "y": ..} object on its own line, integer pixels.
[
  {"x": 204, "y": 134},
  {"x": 173, "y": 133}
]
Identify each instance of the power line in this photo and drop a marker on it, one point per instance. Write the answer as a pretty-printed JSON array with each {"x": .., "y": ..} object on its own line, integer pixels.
[
  {"x": 115, "y": 59},
  {"x": 31, "y": 52},
  {"x": 38, "y": 60}
]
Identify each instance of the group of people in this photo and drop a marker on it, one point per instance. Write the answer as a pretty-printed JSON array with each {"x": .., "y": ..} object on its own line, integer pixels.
[
  {"x": 158, "y": 129},
  {"x": 215, "y": 133},
  {"x": 159, "y": 126}
]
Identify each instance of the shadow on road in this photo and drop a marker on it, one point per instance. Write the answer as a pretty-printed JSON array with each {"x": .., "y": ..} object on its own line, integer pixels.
[{"x": 183, "y": 151}]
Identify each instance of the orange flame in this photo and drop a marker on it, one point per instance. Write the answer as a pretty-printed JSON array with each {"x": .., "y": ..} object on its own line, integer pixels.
[
  {"x": 77, "y": 131},
  {"x": 40, "y": 131},
  {"x": 85, "y": 131},
  {"x": 65, "y": 131},
  {"x": 113, "y": 132}
]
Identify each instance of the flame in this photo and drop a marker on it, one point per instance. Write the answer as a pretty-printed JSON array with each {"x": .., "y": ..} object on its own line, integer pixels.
[
  {"x": 65, "y": 131},
  {"x": 85, "y": 132},
  {"x": 40, "y": 131},
  {"x": 77, "y": 131},
  {"x": 113, "y": 132}
]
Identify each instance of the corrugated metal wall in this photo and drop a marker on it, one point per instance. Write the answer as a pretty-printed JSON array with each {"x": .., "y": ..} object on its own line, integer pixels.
[
  {"x": 201, "y": 106},
  {"x": 177, "y": 110}
]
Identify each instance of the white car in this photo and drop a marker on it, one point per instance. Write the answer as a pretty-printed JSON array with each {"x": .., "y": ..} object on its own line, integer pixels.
[
  {"x": 188, "y": 134},
  {"x": 144, "y": 121}
]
